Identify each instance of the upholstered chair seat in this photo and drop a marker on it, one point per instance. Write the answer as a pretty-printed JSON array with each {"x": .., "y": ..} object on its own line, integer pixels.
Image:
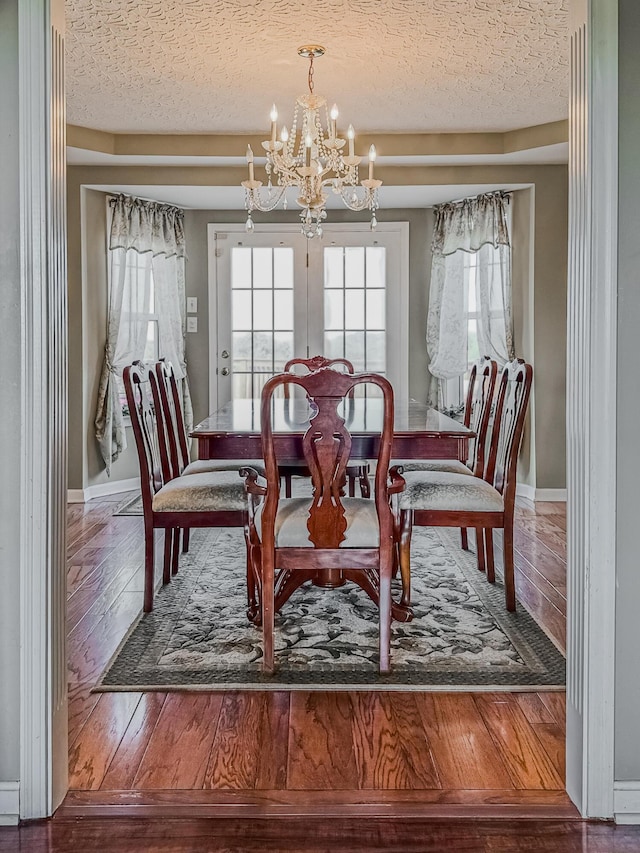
[
  {"x": 442, "y": 491},
  {"x": 205, "y": 466},
  {"x": 449, "y": 466},
  {"x": 363, "y": 529},
  {"x": 213, "y": 492}
]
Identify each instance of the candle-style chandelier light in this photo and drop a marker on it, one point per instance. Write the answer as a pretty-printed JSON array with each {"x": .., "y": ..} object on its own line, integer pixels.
[{"x": 310, "y": 158}]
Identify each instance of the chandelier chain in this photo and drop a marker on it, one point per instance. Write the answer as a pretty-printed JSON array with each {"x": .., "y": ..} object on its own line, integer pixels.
[{"x": 311, "y": 74}]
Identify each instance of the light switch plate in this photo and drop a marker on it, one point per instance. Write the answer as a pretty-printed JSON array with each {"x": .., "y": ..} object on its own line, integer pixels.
[
  {"x": 192, "y": 304},
  {"x": 192, "y": 324}
]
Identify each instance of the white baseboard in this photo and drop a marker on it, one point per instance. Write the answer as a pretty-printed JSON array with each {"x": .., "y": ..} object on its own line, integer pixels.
[
  {"x": 626, "y": 802},
  {"x": 9, "y": 803},
  {"x": 534, "y": 495},
  {"x": 101, "y": 490}
]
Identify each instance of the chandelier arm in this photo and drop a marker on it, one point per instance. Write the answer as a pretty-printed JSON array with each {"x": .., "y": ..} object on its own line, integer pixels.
[
  {"x": 356, "y": 202},
  {"x": 255, "y": 201}
]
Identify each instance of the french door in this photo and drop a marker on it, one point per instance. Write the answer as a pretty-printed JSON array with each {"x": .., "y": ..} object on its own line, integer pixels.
[{"x": 275, "y": 295}]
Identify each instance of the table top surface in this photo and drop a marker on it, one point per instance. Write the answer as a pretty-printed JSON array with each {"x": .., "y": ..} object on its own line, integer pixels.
[{"x": 363, "y": 415}]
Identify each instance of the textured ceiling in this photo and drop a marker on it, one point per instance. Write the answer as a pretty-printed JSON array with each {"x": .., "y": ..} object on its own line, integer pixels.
[{"x": 203, "y": 66}]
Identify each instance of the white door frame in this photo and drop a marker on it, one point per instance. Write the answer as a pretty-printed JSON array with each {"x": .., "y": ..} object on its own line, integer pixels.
[
  {"x": 591, "y": 405},
  {"x": 399, "y": 228},
  {"x": 43, "y": 474},
  {"x": 591, "y": 492}
]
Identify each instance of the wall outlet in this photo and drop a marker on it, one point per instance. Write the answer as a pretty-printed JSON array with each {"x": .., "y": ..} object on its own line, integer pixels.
[
  {"x": 192, "y": 304},
  {"x": 192, "y": 324}
]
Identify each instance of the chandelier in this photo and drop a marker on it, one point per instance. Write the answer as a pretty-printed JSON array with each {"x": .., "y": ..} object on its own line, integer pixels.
[{"x": 310, "y": 157}]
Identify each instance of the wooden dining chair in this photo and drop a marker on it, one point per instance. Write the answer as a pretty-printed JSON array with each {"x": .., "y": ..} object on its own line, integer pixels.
[
  {"x": 357, "y": 470},
  {"x": 179, "y": 463},
  {"x": 325, "y": 537},
  {"x": 446, "y": 499},
  {"x": 170, "y": 503},
  {"x": 477, "y": 414}
]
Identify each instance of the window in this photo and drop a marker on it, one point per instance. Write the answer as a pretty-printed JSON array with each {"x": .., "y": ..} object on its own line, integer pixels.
[
  {"x": 455, "y": 390},
  {"x": 139, "y": 322}
]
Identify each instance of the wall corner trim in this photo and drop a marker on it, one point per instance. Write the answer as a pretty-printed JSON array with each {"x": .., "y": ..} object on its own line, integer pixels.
[
  {"x": 9, "y": 803},
  {"x": 626, "y": 802}
]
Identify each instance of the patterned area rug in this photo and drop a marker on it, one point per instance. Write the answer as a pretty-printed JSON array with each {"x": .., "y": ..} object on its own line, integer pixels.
[
  {"x": 198, "y": 638},
  {"x": 131, "y": 505}
]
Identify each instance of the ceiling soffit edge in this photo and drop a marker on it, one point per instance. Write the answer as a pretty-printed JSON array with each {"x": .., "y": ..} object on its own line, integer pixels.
[{"x": 387, "y": 144}]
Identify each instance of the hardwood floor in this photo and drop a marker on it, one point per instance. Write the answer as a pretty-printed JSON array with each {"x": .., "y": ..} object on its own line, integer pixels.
[
  {"x": 302, "y": 752},
  {"x": 317, "y": 836}
]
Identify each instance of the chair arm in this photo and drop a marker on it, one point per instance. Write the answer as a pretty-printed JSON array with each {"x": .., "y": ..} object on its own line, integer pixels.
[
  {"x": 251, "y": 484},
  {"x": 396, "y": 480}
]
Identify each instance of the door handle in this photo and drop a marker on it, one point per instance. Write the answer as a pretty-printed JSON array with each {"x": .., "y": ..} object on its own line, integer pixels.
[
  {"x": 224, "y": 354},
  {"x": 225, "y": 371}
]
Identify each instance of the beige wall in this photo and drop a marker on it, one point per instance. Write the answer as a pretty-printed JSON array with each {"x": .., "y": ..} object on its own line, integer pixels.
[{"x": 539, "y": 275}]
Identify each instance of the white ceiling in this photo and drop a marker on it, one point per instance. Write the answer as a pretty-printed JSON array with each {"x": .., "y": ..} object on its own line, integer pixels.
[
  {"x": 215, "y": 66},
  {"x": 232, "y": 198}
]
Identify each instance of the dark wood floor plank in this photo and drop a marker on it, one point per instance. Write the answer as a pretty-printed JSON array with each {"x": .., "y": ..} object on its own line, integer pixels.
[
  {"x": 463, "y": 750},
  {"x": 552, "y": 738},
  {"x": 178, "y": 750},
  {"x": 250, "y": 747},
  {"x": 321, "y": 752},
  {"x": 391, "y": 749},
  {"x": 92, "y": 752},
  {"x": 342, "y": 835},
  {"x": 125, "y": 763},
  {"x": 528, "y": 763}
]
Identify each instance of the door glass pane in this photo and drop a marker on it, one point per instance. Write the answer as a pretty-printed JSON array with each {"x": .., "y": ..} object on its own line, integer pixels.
[
  {"x": 263, "y": 352},
  {"x": 241, "y": 268},
  {"x": 283, "y": 309},
  {"x": 241, "y": 348},
  {"x": 262, "y": 309},
  {"x": 282, "y": 350},
  {"x": 241, "y": 309},
  {"x": 376, "y": 256},
  {"x": 283, "y": 268},
  {"x": 262, "y": 268},
  {"x": 376, "y": 355},
  {"x": 334, "y": 309},
  {"x": 333, "y": 267},
  {"x": 375, "y": 309},
  {"x": 354, "y": 309},
  {"x": 334, "y": 344},
  {"x": 354, "y": 266},
  {"x": 354, "y": 349}
]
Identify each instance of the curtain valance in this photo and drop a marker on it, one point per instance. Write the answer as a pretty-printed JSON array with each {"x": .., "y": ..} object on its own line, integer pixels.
[
  {"x": 470, "y": 224},
  {"x": 147, "y": 226}
]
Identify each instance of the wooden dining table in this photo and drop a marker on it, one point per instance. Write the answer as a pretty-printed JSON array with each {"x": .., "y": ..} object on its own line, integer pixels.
[{"x": 420, "y": 432}]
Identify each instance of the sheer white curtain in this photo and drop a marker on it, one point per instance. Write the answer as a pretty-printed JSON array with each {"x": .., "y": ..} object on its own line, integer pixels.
[
  {"x": 475, "y": 225},
  {"x": 146, "y": 257}
]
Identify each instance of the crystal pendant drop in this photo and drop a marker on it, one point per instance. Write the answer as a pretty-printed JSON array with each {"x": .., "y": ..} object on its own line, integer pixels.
[
  {"x": 374, "y": 222},
  {"x": 249, "y": 226}
]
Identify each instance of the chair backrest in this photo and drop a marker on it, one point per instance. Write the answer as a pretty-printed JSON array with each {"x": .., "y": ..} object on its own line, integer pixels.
[
  {"x": 314, "y": 363},
  {"x": 477, "y": 410},
  {"x": 173, "y": 416},
  {"x": 508, "y": 425},
  {"x": 327, "y": 447},
  {"x": 148, "y": 429}
]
